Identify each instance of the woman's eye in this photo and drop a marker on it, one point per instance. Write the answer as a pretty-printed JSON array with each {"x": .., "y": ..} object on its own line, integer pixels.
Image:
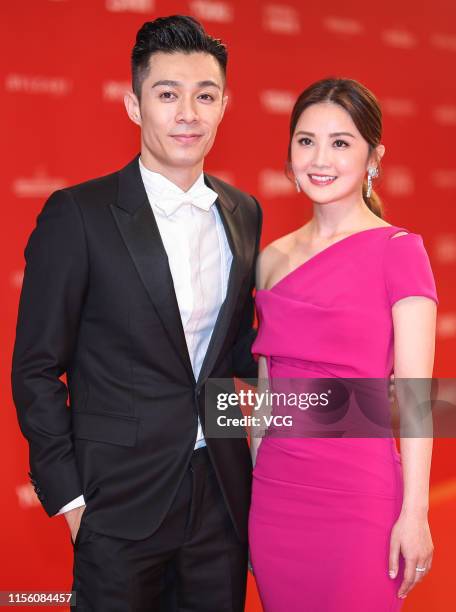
[
  {"x": 305, "y": 141},
  {"x": 341, "y": 144}
]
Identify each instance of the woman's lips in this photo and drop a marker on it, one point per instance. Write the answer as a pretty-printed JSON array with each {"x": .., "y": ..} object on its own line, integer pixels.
[{"x": 321, "y": 180}]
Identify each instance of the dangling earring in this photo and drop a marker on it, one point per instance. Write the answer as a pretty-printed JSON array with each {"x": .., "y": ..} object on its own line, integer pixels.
[
  {"x": 298, "y": 186},
  {"x": 371, "y": 174}
]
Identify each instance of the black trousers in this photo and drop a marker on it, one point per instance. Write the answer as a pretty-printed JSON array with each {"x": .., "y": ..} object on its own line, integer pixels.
[{"x": 193, "y": 563}]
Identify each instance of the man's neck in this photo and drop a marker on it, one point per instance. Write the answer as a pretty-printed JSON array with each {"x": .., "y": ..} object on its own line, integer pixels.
[{"x": 184, "y": 178}]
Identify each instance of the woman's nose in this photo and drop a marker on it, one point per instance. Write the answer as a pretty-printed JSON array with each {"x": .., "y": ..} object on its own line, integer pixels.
[{"x": 321, "y": 157}]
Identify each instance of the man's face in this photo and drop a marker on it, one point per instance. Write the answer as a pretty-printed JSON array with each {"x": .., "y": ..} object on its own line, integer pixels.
[{"x": 181, "y": 106}]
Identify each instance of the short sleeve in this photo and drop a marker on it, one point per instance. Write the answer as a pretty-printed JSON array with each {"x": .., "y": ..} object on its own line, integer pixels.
[{"x": 407, "y": 269}]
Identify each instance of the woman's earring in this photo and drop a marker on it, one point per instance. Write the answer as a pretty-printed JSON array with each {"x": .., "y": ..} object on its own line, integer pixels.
[
  {"x": 371, "y": 174},
  {"x": 298, "y": 186}
]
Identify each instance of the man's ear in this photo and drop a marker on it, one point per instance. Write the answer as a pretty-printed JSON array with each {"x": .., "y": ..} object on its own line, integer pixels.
[
  {"x": 224, "y": 105},
  {"x": 132, "y": 106}
]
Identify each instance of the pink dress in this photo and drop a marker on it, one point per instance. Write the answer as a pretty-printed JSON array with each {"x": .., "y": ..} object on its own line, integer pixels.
[{"x": 323, "y": 508}]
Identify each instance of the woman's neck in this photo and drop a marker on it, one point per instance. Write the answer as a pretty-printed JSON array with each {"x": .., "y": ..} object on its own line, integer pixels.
[{"x": 339, "y": 218}]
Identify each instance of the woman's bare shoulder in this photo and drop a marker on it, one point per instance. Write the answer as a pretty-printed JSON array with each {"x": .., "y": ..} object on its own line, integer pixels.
[{"x": 273, "y": 256}]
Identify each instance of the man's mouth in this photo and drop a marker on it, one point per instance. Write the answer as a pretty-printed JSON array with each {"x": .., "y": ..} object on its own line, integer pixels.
[
  {"x": 321, "y": 179},
  {"x": 186, "y": 138}
]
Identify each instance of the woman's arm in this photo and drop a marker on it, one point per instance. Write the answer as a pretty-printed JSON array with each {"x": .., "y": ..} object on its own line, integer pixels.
[
  {"x": 263, "y": 266},
  {"x": 414, "y": 320},
  {"x": 256, "y": 433}
]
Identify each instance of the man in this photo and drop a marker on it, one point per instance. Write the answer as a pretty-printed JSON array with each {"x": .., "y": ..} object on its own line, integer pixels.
[{"x": 138, "y": 286}]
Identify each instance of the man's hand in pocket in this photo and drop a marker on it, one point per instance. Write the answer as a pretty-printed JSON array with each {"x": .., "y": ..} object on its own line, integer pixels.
[{"x": 73, "y": 518}]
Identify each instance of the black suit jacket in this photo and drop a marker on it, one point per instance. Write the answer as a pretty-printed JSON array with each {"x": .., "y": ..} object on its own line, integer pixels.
[{"x": 98, "y": 304}]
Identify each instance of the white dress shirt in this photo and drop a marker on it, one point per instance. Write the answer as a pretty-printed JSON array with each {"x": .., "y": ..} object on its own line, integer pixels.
[{"x": 199, "y": 258}]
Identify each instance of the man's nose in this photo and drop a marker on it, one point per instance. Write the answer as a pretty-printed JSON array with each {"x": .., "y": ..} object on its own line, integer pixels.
[{"x": 187, "y": 112}]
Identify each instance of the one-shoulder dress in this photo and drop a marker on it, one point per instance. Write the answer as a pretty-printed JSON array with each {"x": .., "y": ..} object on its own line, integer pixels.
[{"x": 323, "y": 508}]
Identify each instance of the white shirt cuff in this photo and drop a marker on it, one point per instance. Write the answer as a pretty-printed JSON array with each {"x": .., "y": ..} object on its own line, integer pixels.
[{"x": 75, "y": 503}]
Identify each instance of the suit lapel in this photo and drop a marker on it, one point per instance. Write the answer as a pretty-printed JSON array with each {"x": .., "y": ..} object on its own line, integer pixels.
[
  {"x": 227, "y": 210},
  {"x": 136, "y": 222}
]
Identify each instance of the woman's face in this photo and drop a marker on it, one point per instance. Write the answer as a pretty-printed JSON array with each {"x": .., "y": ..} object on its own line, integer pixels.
[{"x": 329, "y": 157}]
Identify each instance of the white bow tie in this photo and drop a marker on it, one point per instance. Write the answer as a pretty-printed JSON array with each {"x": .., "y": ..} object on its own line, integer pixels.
[{"x": 199, "y": 195}]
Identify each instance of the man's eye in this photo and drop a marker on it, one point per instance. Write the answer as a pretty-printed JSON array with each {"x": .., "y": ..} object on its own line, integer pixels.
[
  {"x": 340, "y": 144},
  {"x": 207, "y": 97},
  {"x": 305, "y": 141},
  {"x": 167, "y": 95}
]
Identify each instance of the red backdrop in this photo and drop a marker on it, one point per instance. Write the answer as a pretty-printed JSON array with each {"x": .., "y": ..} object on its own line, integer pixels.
[{"x": 64, "y": 68}]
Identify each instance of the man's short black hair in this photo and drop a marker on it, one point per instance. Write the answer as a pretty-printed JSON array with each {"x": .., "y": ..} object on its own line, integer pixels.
[{"x": 174, "y": 34}]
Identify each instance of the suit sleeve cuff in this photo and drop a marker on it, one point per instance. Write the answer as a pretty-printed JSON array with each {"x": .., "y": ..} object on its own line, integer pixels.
[{"x": 75, "y": 503}]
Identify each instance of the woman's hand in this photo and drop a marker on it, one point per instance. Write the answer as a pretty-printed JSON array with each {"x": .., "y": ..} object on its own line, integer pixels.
[{"x": 410, "y": 536}]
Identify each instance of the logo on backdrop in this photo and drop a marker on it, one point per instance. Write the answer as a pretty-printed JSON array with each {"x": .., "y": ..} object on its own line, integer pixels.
[
  {"x": 38, "y": 186},
  {"x": 446, "y": 325},
  {"x": 445, "y": 249},
  {"x": 16, "y": 278},
  {"x": 277, "y": 101},
  {"x": 223, "y": 175},
  {"x": 51, "y": 86},
  {"x": 26, "y": 496},
  {"x": 281, "y": 19},
  {"x": 444, "y": 41},
  {"x": 114, "y": 91},
  {"x": 131, "y": 6},
  {"x": 444, "y": 178},
  {"x": 220, "y": 12},
  {"x": 401, "y": 39},
  {"x": 445, "y": 114},
  {"x": 399, "y": 107},
  {"x": 273, "y": 183},
  {"x": 398, "y": 181},
  {"x": 343, "y": 25}
]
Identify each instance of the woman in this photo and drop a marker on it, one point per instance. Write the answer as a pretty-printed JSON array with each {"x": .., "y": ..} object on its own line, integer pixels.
[{"x": 340, "y": 524}]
